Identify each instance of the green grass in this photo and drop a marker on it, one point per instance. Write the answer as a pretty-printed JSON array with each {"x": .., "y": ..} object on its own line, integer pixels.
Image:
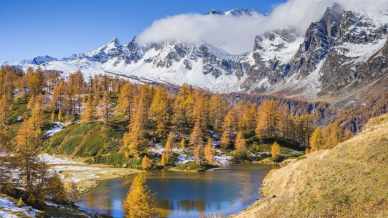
[
  {"x": 93, "y": 141},
  {"x": 284, "y": 151}
]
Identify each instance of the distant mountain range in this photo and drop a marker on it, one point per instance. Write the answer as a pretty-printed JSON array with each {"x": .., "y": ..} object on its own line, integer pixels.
[{"x": 339, "y": 56}]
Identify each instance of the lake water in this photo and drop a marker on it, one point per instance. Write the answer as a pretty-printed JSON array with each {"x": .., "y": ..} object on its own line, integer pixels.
[{"x": 185, "y": 195}]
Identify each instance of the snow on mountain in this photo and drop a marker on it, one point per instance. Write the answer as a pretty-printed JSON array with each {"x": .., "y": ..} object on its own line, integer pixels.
[{"x": 328, "y": 57}]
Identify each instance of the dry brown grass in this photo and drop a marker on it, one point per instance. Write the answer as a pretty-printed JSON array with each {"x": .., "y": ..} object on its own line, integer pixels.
[{"x": 350, "y": 180}]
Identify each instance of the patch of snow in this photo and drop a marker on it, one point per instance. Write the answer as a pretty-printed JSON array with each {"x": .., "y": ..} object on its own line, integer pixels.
[
  {"x": 279, "y": 49},
  {"x": 361, "y": 52},
  {"x": 184, "y": 158},
  {"x": 308, "y": 87},
  {"x": 53, "y": 160},
  {"x": 9, "y": 209},
  {"x": 157, "y": 149},
  {"x": 56, "y": 128}
]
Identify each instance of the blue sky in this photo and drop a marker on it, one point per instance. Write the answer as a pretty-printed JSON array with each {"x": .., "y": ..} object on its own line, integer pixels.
[{"x": 64, "y": 27}]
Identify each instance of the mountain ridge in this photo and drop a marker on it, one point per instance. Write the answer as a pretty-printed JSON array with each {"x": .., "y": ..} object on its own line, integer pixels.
[{"x": 323, "y": 61}]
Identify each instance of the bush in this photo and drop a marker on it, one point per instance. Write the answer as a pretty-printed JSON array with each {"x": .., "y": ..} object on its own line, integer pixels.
[{"x": 240, "y": 156}]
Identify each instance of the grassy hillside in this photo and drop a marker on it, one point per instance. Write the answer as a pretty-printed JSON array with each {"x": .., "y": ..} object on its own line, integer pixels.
[
  {"x": 350, "y": 180},
  {"x": 92, "y": 141}
]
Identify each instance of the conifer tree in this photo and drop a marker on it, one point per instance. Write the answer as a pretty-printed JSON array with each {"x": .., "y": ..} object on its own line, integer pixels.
[
  {"x": 160, "y": 112},
  {"x": 268, "y": 120},
  {"x": 183, "y": 118},
  {"x": 209, "y": 151},
  {"x": 240, "y": 144},
  {"x": 182, "y": 144},
  {"x": 197, "y": 153},
  {"x": 105, "y": 108},
  {"x": 200, "y": 113},
  {"x": 134, "y": 140},
  {"x": 246, "y": 117},
  {"x": 229, "y": 128},
  {"x": 217, "y": 111},
  {"x": 139, "y": 202},
  {"x": 124, "y": 101},
  {"x": 75, "y": 88},
  {"x": 275, "y": 150},
  {"x": 58, "y": 103},
  {"x": 316, "y": 140},
  {"x": 196, "y": 137},
  {"x": 146, "y": 163},
  {"x": 4, "y": 109},
  {"x": 28, "y": 141},
  {"x": 34, "y": 81},
  {"x": 88, "y": 112},
  {"x": 166, "y": 155}
]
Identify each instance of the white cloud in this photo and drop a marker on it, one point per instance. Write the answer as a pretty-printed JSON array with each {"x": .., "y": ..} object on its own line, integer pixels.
[{"x": 236, "y": 34}]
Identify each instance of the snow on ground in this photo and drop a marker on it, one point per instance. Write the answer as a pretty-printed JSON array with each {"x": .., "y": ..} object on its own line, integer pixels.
[
  {"x": 54, "y": 160},
  {"x": 56, "y": 128},
  {"x": 185, "y": 156},
  {"x": 9, "y": 209},
  {"x": 223, "y": 160},
  {"x": 84, "y": 176}
]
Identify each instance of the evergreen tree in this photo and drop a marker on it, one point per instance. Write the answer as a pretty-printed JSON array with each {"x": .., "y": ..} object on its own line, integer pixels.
[{"x": 139, "y": 202}]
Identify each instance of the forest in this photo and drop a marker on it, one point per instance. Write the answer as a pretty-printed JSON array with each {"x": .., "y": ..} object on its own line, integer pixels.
[{"x": 143, "y": 115}]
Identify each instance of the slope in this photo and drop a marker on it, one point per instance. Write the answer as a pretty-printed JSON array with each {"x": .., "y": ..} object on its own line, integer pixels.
[{"x": 350, "y": 180}]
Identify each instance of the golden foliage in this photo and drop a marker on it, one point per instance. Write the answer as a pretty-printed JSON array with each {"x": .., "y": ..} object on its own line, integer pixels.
[
  {"x": 240, "y": 144},
  {"x": 139, "y": 202},
  {"x": 146, "y": 163},
  {"x": 209, "y": 151},
  {"x": 275, "y": 150}
]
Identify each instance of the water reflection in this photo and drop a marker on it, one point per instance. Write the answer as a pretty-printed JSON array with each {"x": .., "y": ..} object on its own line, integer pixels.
[{"x": 181, "y": 195}]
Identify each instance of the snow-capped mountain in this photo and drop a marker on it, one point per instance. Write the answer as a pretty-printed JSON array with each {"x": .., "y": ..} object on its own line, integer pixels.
[{"x": 343, "y": 49}]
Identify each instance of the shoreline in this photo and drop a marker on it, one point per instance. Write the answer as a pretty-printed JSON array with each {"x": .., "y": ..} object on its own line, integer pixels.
[{"x": 82, "y": 176}]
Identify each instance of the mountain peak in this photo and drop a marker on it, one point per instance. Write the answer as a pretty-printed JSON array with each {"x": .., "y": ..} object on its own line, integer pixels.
[
  {"x": 113, "y": 46},
  {"x": 334, "y": 11}
]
